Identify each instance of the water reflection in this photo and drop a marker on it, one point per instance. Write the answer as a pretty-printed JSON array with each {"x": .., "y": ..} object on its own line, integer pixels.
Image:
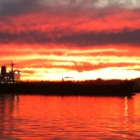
[
  {"x": 54, "y": 117},
  {"x": 8, "y": 110}
]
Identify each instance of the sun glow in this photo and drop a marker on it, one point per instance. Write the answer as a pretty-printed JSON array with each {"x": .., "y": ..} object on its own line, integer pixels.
[
  {"x": 107, "y": 73},
  {"x": 39, "y": 63}
]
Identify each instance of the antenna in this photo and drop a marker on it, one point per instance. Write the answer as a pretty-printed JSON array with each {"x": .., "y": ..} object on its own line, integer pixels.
[{"x": 12, "y": 66}]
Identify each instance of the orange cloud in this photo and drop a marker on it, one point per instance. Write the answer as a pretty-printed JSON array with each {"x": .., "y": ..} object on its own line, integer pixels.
[{"x": 38, "y": 62}]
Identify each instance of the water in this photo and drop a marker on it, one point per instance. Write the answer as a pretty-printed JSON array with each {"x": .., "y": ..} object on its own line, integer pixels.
[{"x": 37, "y": 117}]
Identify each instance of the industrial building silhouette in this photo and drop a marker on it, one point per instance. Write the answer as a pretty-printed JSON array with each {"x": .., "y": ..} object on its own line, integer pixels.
[{"x": 13, "y": 76}]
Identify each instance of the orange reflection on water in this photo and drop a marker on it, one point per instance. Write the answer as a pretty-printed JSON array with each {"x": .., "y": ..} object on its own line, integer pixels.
[{"x": 71, "y": 117}]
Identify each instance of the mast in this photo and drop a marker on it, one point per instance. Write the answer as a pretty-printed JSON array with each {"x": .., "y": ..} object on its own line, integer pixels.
[{"x": 12, "y": 66}]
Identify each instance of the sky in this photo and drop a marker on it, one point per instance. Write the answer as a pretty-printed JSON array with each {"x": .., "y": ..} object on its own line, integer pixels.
[{"x": 83, "y": 39}]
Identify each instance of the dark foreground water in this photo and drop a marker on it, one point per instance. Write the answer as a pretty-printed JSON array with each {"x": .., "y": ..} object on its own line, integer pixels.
[{"x": 37, "y": 117}]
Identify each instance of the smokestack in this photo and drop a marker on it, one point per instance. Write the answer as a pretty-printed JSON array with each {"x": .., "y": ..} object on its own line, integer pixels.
[{"x": 3, "y": 71}]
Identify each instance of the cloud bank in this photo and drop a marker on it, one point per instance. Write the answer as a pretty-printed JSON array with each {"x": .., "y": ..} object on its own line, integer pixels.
[{"x": 73, "y": 39}]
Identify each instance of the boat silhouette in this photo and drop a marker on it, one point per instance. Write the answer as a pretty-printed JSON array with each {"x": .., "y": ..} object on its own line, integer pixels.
[
  {"x": 10, "y": 83},
  {"x": 83, "y": 88}
]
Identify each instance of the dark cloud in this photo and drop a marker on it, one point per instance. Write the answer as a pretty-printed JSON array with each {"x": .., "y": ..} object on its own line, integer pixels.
[
  {"x": 16, "y": 7},
  {"x": 101, "y": 38},
  {"x": 74, "y": 39}
]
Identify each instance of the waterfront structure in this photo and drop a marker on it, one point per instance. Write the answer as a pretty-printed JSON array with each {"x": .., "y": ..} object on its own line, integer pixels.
[{"x": 13, "y": 76}]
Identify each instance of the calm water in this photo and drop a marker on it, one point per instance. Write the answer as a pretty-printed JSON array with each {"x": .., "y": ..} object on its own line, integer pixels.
[{"x": 37, "y": 117}]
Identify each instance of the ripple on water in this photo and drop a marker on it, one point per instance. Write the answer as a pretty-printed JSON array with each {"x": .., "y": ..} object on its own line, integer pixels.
[{"x": 69, "y": 118}]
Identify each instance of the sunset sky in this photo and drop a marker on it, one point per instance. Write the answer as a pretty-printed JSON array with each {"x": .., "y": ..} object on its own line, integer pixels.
[{"x": 84, "y": 39}]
